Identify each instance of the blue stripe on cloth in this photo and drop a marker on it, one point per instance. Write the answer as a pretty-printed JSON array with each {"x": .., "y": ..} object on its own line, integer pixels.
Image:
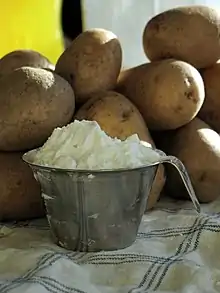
[{"x": 175, "y": 232}]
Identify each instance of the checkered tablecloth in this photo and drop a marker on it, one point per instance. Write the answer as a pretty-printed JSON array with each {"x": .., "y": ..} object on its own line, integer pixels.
[{"x": 175, "y": 251}]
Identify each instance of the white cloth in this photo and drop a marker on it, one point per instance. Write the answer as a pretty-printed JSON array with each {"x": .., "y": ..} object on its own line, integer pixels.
[{"x": 175, "y": 251}]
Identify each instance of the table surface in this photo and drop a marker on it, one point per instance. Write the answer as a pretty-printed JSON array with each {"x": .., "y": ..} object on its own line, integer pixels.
[{"x": 176, "y": 251}]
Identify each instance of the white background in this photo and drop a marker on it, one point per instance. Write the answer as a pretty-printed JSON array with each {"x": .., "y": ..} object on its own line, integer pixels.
[{"x": 127, "y": 19}]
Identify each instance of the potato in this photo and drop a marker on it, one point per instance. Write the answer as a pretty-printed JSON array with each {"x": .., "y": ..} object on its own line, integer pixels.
[
  {"x": 189, "y": 33},
  {"x": 157, "y": 187},
  {"x": 33, "y": 102},
  {"x": 91, "y": 63},
  {"x": 20, "y": 196},
  {"x": 118, "y": 117},
  {"x": 168, "y": 93},
  {"x": 210, "y": 109},
  {"x": 115, "y": 114},
  {"x": 20, "y": 58},
  {"x": 198, "y": 147}
]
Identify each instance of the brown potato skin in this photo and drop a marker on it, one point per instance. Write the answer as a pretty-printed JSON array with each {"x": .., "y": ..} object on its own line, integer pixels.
[
  {"x": 157, "y": 187},
  {"x": 33, "y": 102},
  {"x": 118, "y": 117},
  {"x": 168, "y": 93},
  {"x": 91, "y": 63},
  {"x": 20, "y": 196},
  {"x": 21, "y": 58},
  {"x": 198, "y": 147},
  {"x": 210, "y": 111},
  {"x": 189, "y": 33},
  {"x": 115, "y": 114}
]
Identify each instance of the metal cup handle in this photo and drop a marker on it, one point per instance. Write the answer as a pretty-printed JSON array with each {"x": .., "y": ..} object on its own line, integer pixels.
[{"x": 184, "y": 176}]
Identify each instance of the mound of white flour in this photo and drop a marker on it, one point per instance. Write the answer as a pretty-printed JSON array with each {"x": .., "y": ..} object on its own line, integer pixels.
[{"x": 84, "y": 145}]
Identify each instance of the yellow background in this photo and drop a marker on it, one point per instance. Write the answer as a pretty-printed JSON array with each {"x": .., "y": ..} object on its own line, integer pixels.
[{"x": 31, "y": 24}]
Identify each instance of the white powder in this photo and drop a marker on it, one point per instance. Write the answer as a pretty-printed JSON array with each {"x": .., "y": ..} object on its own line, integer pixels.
[{"x": 83, "y": 145}]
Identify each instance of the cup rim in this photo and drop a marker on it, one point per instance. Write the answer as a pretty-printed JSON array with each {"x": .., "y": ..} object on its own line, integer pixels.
[{"x": 27, "y": 155}]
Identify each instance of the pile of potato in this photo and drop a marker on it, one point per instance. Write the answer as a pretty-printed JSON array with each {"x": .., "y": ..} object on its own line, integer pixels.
[
  {"x": 178, "y": 94},
  {"x": 34, "y": 100},
  {"x": 171, "y": 101}
]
